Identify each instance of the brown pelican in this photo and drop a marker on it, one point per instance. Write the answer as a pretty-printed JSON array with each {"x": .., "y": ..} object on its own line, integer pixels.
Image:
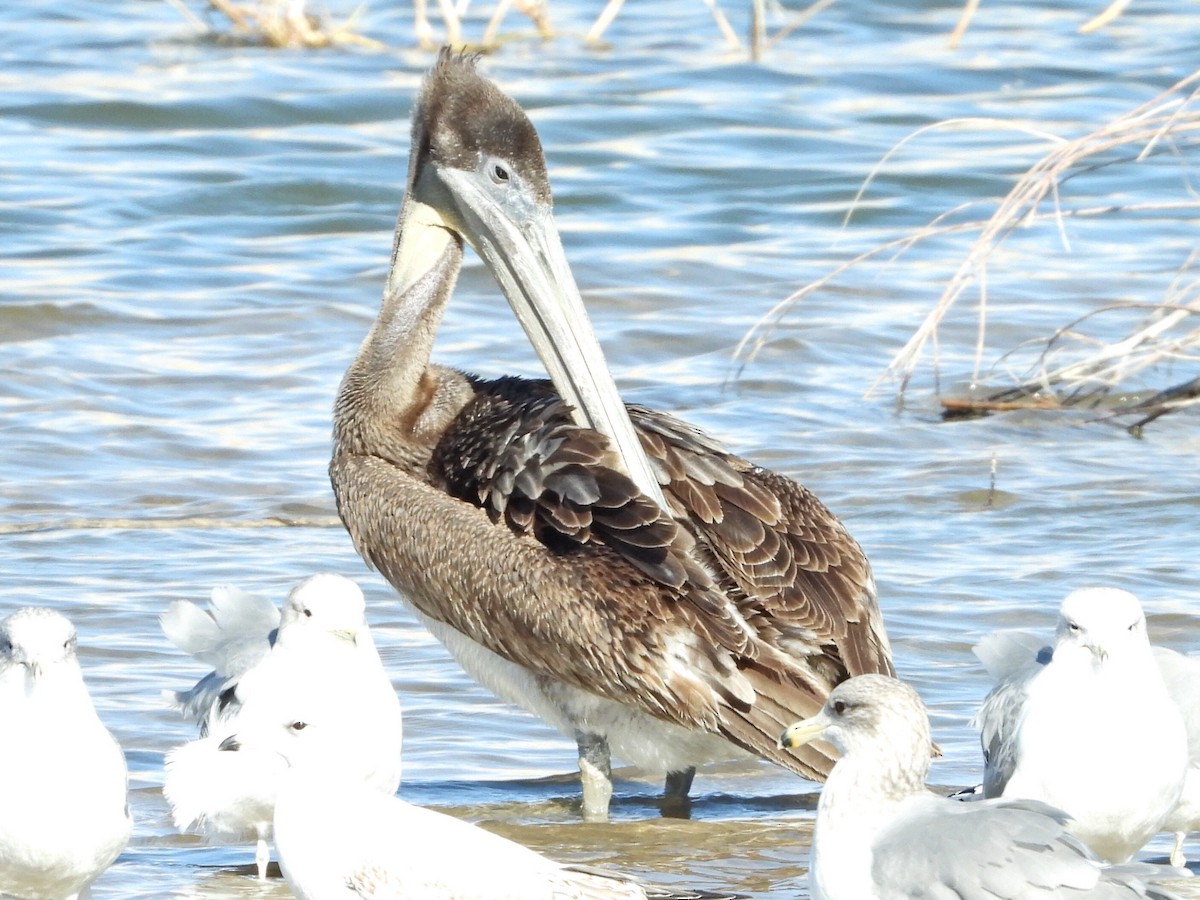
[{"x": 612, "y": 569}]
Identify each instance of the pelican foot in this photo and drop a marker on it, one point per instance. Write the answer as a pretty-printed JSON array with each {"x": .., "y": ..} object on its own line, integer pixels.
[{"x": 675, "y": 803}]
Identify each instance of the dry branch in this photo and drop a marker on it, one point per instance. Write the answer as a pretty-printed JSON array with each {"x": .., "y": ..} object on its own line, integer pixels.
[
  {"x": 285, "y": 23},
  {"x": 1172, "y": 114},
  {"x": 1106, "y": 15},
  {"x": 1074, "y": 366}
]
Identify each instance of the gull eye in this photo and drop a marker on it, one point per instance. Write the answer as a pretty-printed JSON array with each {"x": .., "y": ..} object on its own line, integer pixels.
[
  {"x": 1073, "y": 626},
  {"x": 297, "y": 726},
  {"x": 499, "y": 173},
  {"x": 307, "y": 613},
  {"x": 839, "y": 706}
]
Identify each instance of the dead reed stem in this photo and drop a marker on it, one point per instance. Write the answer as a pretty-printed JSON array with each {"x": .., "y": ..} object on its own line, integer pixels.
[
  {"x": 284, "y": 23},
  {"x": 1072, "y": 367}
]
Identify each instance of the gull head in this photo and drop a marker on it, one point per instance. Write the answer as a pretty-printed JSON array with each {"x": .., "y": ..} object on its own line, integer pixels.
[
  {"x": 282, "y": 737},
  {"x": 37, "y": 639},
  {"x": 871, "y": 717},
  {"x": 1101, "y": 623},
  {"x": 309, "y": 734},
  {"x": 325, "y": 603},
  {"x": 314, "y": 721}
]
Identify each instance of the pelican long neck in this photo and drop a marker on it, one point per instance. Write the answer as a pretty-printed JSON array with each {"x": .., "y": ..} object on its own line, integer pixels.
[{"x": 386, "y": 378}]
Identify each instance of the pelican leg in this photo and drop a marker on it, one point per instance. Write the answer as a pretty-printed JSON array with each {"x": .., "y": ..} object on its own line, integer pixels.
[
  {"x": 262, "y": 857},
  {"x": 595, "y": 775},
  {"x": 676, "y": 804},
  {"x": 1177, "y": 858}
]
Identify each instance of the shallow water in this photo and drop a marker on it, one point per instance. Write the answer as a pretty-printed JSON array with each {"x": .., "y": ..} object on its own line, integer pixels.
[{"x": 195, "y": 235}]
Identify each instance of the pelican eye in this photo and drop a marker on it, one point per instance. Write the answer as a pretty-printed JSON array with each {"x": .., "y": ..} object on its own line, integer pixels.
[
  {"x": 297, "y": 726},
  {"x": 1074, "y": 626},
  {"x": 499, "y": 173}
]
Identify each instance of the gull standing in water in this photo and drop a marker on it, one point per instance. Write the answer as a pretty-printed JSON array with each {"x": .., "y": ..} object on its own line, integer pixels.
[
  {"x": 322, "y": 637},
  {"x": 881, "y": 835},
  {"x": 610, "y": 568},
  {"x": 1181, "y": 674},
  {"x": 64, "y": 811},
  {"x": 1013, "y": 658},
  {"x": 1093, "y": 730},
  {"x": 339, "y": 840},
  {"x": 237, "y": 633}
]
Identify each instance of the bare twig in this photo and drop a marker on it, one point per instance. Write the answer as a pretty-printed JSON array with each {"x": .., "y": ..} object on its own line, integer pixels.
[
  {"x": 1147, "y": 123},
  {"x": 1172, "y": 399},
  {"x": 188, "y": 14},
  {"x": 1105, "y": 16},
  {"x": 1097, "y": 22},
  {"x": 285, "y": 23},
  {"x": 1077, "y": 364},
  {"x": 797, "y": 21},
  {"x": 963, "y": 21}
]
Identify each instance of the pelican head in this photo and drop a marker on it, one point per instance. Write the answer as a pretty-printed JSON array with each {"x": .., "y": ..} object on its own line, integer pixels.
[{"x": 477, "y": 175}]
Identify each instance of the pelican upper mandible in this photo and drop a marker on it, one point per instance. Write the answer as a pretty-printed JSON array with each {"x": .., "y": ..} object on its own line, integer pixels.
[{"x": 610, "y": 568}]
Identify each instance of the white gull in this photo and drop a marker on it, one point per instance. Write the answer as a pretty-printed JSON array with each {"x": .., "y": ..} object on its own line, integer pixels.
[
  {"x": 880, "y": 834},
  {"x": 1092, "y": 730},
  {"x": 1013, "y": 656},
  {"x": 64, "y": 814},
  {"x": 322, "y": 639},
  {"x": 339, "y": 840}
]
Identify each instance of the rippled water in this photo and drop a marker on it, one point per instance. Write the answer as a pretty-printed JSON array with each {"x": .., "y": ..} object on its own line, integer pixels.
[{"x": 195, "y": 234}]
